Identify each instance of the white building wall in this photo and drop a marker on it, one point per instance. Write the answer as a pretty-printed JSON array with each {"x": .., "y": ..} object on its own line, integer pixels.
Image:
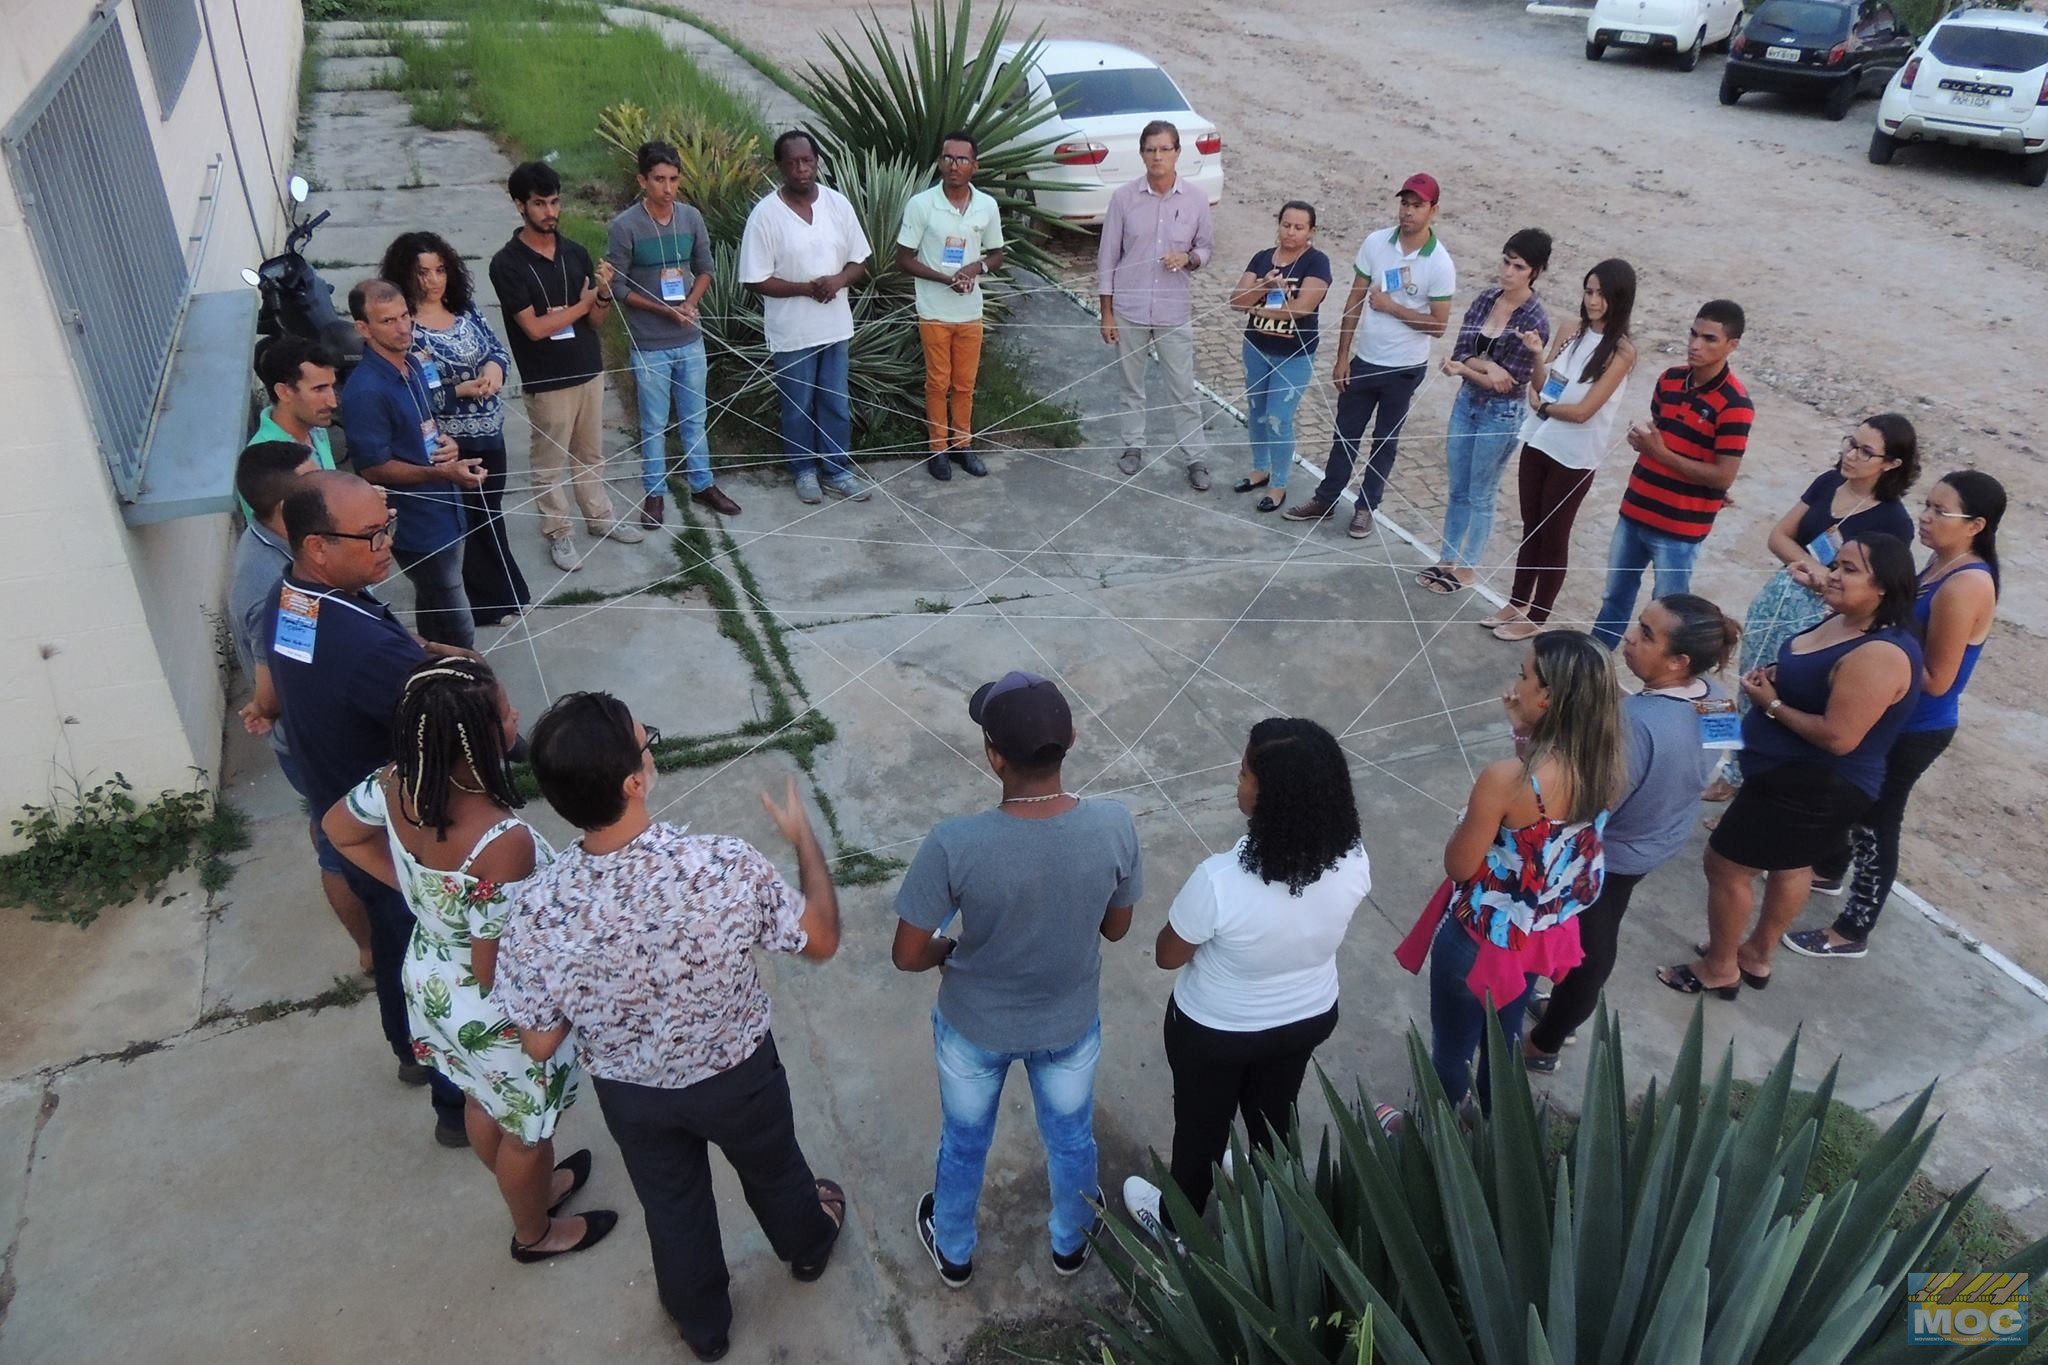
[{"x": 107, "y": 636}]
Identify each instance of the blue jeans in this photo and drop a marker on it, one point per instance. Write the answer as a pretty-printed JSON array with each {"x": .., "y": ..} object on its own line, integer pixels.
[
  {"x": 1457, "y": 1018},
  {"x": 1062, "y": 1096},
  {"x": 1483, "y": 434},
  {"x": 1634, "y": 548},
  {"x": 665, "y": 379},
  {"x": 817, "y": 419},
  {"x": 1273, "y": 386}
]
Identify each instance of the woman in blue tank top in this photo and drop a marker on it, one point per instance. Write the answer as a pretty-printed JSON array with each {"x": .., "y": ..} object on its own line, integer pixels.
[
  {"x": 1957, "y": 600},
  {"x": 1821, "y": 721}
]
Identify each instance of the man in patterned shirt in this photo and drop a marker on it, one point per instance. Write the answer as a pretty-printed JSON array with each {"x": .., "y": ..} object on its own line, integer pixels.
[{"x": 639, "y": 937}]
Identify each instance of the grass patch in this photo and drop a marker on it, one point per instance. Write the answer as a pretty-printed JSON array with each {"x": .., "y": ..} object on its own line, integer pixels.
[
  {"x": 399, "y": 11},
  {"x": 1008, "y": 406},
  {"x": 345, "y": 991},
  {"x": 1054, "y": 1336},
  {"x": 541, "y": 88}
]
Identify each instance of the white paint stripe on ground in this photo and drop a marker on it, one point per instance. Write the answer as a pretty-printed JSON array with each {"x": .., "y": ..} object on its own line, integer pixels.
[{"x": 2033, "y": 985}]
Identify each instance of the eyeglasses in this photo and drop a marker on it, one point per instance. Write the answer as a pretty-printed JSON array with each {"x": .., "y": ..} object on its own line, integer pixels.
[
  {"x": 378, "y": 538},
  {"x": 1160, "y": 151},
  {"x": 1931, "y": 510},
  {"x": 653, "y": 739},
  {"x": 1850, "y": 444},
  {"x": 949, "y": 159}
]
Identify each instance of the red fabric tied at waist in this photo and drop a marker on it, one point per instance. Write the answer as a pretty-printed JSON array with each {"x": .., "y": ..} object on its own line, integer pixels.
[{"x": 1503, "y": 973}]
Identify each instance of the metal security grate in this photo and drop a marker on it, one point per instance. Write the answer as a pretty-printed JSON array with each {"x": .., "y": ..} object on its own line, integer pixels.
[
  {"x": 87, "y": 176},
  {"x": 170, "y": 37}
]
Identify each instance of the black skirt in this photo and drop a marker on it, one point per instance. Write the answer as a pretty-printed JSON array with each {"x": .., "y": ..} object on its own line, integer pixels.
[{"x": 1793, "y": 815}]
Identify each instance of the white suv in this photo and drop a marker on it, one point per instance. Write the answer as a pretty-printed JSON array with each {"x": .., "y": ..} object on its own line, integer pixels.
[{"x": 1979, "y": 79}]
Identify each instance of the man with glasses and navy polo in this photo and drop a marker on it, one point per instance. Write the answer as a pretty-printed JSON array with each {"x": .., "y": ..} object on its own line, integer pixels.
[{"x": 333, "y": 663}]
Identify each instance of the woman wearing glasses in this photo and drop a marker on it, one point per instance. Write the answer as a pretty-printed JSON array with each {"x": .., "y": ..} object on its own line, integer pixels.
[
  {"x": 1879, "y": 461},
  {"x": 1957, "y": 599}
]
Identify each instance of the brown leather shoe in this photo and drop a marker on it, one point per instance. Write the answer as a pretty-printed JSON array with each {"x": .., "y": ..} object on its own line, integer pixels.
[
  {"x": 715, "y": 498},
  {"x": 653, "y": 510},
  {"x": 1309, "y": 511}
]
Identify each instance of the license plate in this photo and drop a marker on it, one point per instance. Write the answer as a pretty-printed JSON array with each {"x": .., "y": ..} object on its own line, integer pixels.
[
  {"x": 1782, "y": 54},
  {"x": 1974, "y": 101},
  {"x": 1639, "y": 39}
]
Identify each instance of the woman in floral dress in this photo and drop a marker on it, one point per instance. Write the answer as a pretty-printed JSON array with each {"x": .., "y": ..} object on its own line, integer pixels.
[
  {"x": 454, "y": 850},
  {"x": 465, "y": 364}
]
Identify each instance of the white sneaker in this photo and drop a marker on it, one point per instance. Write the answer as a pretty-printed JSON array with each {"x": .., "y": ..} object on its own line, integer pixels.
[
  {"x": 1141, "y": 1199},
  {"x": 622, "y": 531},
  {"x": 562, "y": 554}
]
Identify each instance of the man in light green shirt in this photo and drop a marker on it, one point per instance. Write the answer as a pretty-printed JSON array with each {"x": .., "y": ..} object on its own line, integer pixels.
[
  {"x": 299, "y": 377},
  {"x": 952, "y": 235}
]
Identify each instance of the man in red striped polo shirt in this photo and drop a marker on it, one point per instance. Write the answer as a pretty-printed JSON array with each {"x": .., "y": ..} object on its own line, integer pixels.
[{"x": 1686, "y": 458}]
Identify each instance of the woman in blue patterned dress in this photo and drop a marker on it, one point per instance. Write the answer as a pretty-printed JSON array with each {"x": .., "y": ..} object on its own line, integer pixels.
[
  {"x": 465, "y": 364},
  {"x": 437, "y": 824}
]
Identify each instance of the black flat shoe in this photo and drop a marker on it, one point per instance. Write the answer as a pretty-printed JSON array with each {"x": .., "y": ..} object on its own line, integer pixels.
[
  {"x": 939, "y": 467},
  {"x": 1269, "y": 504},
  {"x": 597, "y": 1225},
  {"x": 1246, "y": 485},
  {"x": 1683, "y": 979},
  {"x": 971, "y": 462},
  {"x": 577, "y": 1164},
  {"x": 1749, "y": 978},
  {"x": 710, "y": 1350}
]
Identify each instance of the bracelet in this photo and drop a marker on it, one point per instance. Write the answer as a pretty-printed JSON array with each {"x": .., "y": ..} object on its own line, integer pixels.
[{"x": 1771, "y": 711}]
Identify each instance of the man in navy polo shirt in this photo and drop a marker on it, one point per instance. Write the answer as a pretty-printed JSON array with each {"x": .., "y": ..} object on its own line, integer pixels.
[
  {"x": 395, "y": 441},
  {"x": 335, "y": 662}
]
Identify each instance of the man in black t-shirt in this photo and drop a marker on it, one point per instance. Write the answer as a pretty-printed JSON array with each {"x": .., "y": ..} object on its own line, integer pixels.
[
  {"x": 554, "y": 303},
  {"x": 333, "y": 661}
]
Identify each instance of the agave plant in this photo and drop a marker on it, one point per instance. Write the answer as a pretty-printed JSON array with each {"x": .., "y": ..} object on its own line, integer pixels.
[
  {"x": 874, "y": 98},
  {"x": 1672, "y": 1233},
  {"x": 724, "y": 171}
]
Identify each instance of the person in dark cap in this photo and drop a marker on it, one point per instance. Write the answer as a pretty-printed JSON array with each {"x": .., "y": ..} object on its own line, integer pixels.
[{"x": 1036, "y": 882}]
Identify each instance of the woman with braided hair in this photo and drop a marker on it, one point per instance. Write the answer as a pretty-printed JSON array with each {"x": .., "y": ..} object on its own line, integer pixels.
[{"x": 437, "y": 824}]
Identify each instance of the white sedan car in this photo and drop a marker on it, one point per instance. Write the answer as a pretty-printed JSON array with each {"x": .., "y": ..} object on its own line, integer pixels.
[
  {"x": 1102, "y": 97},
  {"x": 1672, "y": 28}
]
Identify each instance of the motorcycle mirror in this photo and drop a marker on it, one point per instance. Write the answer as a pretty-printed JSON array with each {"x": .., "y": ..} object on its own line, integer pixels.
[
  {"x": 251, "y": 278},
  {"x": 300, "y": 189}
]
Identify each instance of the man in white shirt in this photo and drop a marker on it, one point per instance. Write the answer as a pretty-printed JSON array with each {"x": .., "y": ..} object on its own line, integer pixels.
[
  {"x": 803, "y": 248},
  {"x": 1400, "y": 297}
]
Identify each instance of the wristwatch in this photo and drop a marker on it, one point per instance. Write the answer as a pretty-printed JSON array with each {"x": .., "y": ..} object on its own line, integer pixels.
[
  {"x": 1771, "y": 711},
  {"x": 1543, "y": 407}
]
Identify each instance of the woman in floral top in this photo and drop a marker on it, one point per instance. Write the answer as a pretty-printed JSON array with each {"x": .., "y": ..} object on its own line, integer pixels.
[
  {"x": 465, "y": 364},
  {"x": 455, "y": 850},
  {"x": 1525, "y": 859}
]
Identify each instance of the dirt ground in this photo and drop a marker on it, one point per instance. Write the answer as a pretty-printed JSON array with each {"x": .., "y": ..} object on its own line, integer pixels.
[{"x": 1868, "y": 288}]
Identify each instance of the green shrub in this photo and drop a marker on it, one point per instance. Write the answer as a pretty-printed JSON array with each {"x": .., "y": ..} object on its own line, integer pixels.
[
  {"x": 104, "y": 847},
  {"x": 725, "y": 171},
  {"x": 1681, "y": 1232}
]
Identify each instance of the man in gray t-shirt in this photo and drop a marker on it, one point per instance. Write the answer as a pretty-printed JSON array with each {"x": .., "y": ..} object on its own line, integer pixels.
[
  {"x": 660, "y": 256},
  {"x": 1037, "y": 884}
]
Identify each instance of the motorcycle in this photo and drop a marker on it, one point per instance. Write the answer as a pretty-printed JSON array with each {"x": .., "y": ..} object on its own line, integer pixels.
[{"x": 295, "y": 299}]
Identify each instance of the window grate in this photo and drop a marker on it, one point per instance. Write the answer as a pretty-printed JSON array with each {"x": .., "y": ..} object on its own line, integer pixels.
[
  {"x": 170, "y": 38},
  {"x": 93, "y": 196}
]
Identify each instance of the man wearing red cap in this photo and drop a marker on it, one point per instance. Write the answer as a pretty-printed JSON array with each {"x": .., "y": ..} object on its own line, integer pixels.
[
  {"x": 1038, "y": 882},
  {"x": 1400, "y": 298}
]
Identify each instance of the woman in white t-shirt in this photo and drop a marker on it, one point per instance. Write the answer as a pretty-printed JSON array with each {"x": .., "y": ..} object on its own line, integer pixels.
[
  {"x": 1255, "y": 933},
  {"x": 1574, "y": 397}
]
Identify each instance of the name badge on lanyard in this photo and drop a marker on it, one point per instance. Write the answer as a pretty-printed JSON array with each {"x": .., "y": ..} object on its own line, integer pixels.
[
  {"x": 1553, "y": 387},
  {"x": 1720, "y": 726},
  {"x": 674, "y": 288},
  {"x": 567, "y": 333},
  {"x": 430, "y": 437},
  {"x": 1825, "y": 546},
  {"x": 298, "y": 617},
  {"x": 954, "y": 252}
]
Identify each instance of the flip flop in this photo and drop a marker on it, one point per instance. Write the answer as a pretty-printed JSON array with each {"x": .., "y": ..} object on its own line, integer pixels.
[
  {"x": 1683, "y": 979},
  {"x": 1269, "y": 504},
  {"x": 1245, "y": 485},
  {"x": 832, "y": 1199}
]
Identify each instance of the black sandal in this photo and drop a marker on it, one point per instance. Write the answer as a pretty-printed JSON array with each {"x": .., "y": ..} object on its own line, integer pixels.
[
  {"x": 832, "y": 1199},
  {"x": 577, "y": 1164},
  {"x": 1440, "y": 581},
  {"x": 1683, "y": 979},
  {"x": 1749, "y": 978},
  {"x": 597, "y": 1225}
]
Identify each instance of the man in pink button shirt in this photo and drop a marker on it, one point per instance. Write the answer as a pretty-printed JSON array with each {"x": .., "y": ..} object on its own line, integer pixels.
[{"x": 1156, "y": 234}]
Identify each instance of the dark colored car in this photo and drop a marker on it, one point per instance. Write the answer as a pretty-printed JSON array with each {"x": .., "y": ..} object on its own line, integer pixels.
[{"x": 1830, "y": 50}]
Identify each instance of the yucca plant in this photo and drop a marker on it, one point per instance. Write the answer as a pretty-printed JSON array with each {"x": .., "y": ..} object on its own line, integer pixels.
[
  {"x": 1671, "y": 1232},
  {"x": 877, "y": 99},
  {"x": 725, "y": 171}
]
